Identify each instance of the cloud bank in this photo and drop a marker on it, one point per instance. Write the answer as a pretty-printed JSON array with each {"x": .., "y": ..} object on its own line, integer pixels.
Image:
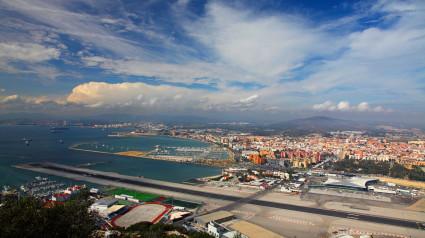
[
  {"x": 346, "y": 106},
  {"x": 221, "y": 56}
]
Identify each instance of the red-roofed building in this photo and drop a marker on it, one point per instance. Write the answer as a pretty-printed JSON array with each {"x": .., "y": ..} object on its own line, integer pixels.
[
  {"x": 67, "y": 193},
  {"x": 61, "y": 197}
]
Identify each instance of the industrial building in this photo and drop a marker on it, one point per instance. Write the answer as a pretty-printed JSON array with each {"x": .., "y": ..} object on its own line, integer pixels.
[{"x": 102, "y": 204}]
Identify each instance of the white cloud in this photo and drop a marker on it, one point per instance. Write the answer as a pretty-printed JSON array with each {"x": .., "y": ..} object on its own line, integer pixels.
[
  {"x": 92, "y": 29},
  {"x": 46, "y": 72},
  {"x": 162, "y": 97},
  {"x": 296, "y": 62},
  {"x": 393, "y": 6},
  {"x": 378, "y": 109},
  {"x": 29, "y": 58},
  {"x": 100, "y": 93},
  {"x": 326, "y": 106},
  {"x": 247, "y": 100},
  {"x": 165, "y": 71},
  {"x": 28, "y": 52},
  {"x": 378, "y": 60},
  {"x": 364, "y": 106},
  {"x": 346, "y": 106},
  {"x": 189, "y": 73},
  {"x": 58, "y": 100},
  {"x": 10, "y": 98},
  {"x": 266, "y": 46}
]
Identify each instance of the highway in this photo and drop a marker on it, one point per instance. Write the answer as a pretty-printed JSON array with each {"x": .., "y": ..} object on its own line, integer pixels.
[{"x": 179, "y": 189}]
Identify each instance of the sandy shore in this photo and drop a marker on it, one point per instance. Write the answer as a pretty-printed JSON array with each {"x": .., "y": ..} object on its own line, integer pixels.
[{"x": 131, "y": 153}]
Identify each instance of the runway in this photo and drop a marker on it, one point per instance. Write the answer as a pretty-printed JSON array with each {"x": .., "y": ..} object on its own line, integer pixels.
[{"x": 93, "y": 176}]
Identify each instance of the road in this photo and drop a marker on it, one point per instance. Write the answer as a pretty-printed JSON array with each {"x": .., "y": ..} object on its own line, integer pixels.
[{"x": 177, "y": 188}]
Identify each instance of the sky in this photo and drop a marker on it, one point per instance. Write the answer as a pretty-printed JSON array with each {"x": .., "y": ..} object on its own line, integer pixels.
[{"x": 252, "y": 60}]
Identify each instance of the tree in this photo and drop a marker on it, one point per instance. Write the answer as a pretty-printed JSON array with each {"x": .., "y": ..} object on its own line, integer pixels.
[
  {"x": 29, "y": 217},
  {"x": 148, "y": 229}
]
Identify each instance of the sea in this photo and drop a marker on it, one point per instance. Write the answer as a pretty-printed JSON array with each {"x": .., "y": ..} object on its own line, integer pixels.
[{"x": 54, "y": 147}]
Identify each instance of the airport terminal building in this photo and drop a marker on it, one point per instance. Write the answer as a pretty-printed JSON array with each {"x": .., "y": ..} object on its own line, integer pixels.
[{"x": 353, "y": 183}]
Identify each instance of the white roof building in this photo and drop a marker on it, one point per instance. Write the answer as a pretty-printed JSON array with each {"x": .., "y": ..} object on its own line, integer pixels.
[{"x": 352, "y": 183}]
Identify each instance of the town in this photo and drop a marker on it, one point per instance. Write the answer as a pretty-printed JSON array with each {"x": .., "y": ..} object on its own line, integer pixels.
[{"x": 348, "y": 174}]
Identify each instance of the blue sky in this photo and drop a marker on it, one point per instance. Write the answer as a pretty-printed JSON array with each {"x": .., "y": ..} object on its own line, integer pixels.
[{"x": 239, "y": 60}]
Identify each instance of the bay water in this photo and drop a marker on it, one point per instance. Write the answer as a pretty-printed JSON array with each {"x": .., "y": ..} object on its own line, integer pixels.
[{"x": 53, "y": 147}]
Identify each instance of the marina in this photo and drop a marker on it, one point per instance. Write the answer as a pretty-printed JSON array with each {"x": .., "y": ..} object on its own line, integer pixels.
[
  {"x": 211, "y": 155},
  {"x": 43, "y": 188},
  {"x": 191, "y": 152}
]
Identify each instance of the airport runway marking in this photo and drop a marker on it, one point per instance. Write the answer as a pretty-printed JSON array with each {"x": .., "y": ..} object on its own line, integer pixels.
[
  {"x": 349, "y": 231},
  {"x": 247, "y": 213},
  {"x": 232, "y": 190},
  {"x": 292, "y": 221}
]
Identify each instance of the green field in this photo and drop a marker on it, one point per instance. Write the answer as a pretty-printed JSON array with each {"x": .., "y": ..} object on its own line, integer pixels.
[
  {"x": 145, "y": 197},
  {"x": 122, "y": 202}
]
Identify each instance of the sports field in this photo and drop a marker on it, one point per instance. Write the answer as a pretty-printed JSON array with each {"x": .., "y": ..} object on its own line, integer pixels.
[
  {"x": 145, "y": 197},
  {"x": 144, "y": 212}
]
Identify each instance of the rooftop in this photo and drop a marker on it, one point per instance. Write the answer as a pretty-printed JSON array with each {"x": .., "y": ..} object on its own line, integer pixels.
[
  {"x": 106, "y": 201},
  {"x": 114, "y": 208},
  {"x": 215, "y": 216},
  {"x": 354, "y": 182}
]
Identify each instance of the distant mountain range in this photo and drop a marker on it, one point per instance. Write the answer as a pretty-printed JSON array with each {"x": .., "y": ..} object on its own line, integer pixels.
[
  {"x": 319, "y": 124},
  {"x": 322, "y": 124}
]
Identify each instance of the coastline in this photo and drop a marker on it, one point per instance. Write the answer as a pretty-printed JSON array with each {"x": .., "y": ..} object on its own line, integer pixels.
[
  {"x": 143, "y": 155},
  {"x": 45, "y": 147}
]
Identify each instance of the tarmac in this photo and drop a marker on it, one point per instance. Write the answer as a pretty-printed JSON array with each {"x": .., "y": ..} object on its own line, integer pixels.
[
  {"x": 283, "y": 214},
  {"x": 351, "y": 195}
]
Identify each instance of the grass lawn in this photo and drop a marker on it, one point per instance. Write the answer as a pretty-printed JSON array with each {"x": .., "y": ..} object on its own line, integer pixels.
[
  {"x": 122, "y": 202},
  {"x": 145, "y": 197}
]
